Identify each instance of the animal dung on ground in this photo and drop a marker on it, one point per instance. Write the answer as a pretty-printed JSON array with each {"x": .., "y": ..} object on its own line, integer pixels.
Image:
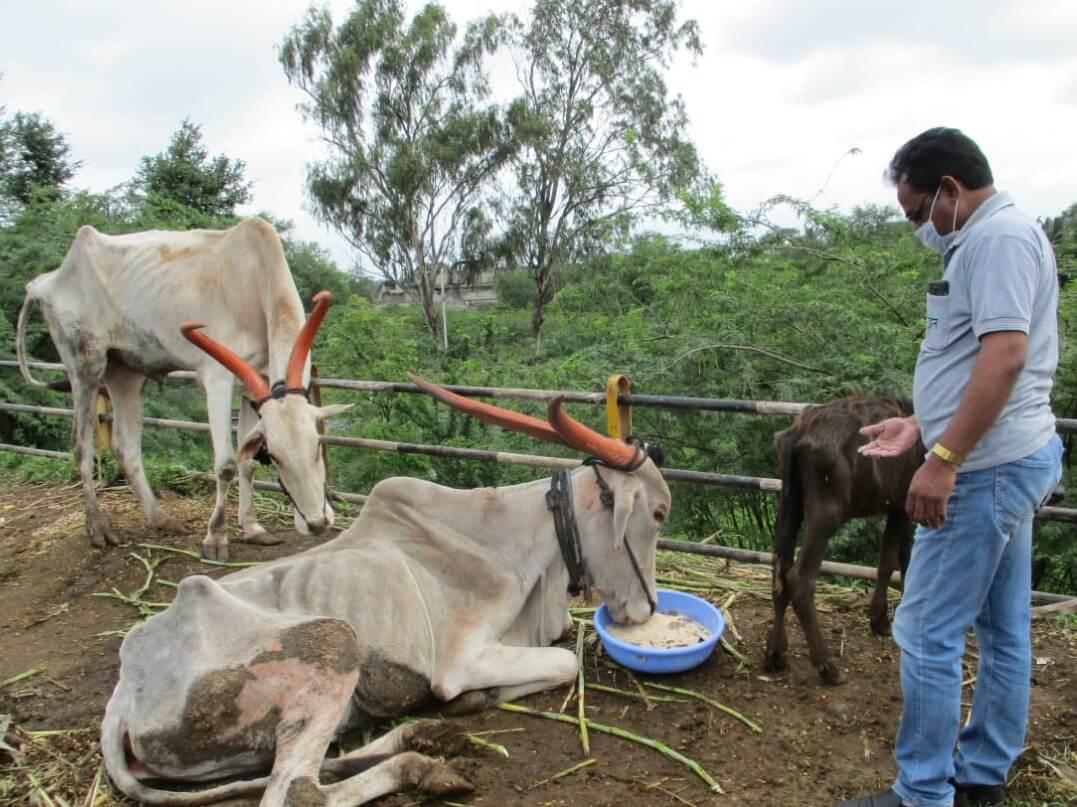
[{"x": 663, "y": 629}]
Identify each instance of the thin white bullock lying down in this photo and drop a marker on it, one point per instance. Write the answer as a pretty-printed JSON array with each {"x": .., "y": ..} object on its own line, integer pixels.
[{"x": 432, "y": 595}]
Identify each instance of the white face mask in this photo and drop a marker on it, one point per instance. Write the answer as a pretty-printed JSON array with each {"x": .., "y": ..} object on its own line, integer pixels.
[{"x": 930, "y": 237}]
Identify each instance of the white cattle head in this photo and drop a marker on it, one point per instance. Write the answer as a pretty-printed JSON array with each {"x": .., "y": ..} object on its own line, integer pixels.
[
  {"x": 641, "y": 502},
  {"x": 619, "y": 546},
  {"x": 287, "y": 431}
]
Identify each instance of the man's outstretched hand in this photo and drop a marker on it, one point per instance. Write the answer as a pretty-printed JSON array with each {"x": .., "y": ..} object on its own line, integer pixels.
[{"x": 890, "y": 438}]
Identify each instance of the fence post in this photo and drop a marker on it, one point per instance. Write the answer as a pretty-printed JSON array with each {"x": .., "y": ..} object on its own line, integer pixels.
[
  {"x": 316, "y": 399},
  {"x": 618, "y": 415},
  {"x": 102, "y": 428}
]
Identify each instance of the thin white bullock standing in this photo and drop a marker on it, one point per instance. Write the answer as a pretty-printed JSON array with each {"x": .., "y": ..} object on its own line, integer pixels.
[
  {"x": 115, "y": 308},
  {"x": 432, "y": 595}
]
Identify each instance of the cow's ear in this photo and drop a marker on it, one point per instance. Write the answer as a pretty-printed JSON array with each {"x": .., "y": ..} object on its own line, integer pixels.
[
  {"x": 251, "y": 444},
  {"x": 624, "y": 499},
  {"x": 326, "y": 412}
]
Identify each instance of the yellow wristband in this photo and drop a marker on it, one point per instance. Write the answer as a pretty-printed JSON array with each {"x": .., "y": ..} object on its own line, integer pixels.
[{"x": 945, "y": 454}]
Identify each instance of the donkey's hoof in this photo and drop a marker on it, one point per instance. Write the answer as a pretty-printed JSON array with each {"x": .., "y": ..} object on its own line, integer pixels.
[
  {"x": 831, "y": 673},
  {"x": 880, "y": 627},
  {"x": 775, "y": 662}
]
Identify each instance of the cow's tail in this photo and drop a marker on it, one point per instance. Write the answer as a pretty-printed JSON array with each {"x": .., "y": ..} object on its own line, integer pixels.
[
  {"x": 113, "y": 729},
  {"x": 64, "y": 384},
  {"x": 790, "y": 503},
  {"x": 20, "y": 343}
]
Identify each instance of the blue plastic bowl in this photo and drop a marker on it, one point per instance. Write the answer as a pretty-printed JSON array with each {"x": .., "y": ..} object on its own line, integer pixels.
[{"x": 661, "y": 659}]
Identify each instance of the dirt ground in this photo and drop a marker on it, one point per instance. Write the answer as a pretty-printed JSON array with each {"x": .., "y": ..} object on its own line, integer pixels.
[{"x": 817, "y": 743}]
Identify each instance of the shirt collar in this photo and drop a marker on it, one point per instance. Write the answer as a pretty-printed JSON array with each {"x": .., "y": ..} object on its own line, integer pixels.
[{"x": 986, "y": 210}]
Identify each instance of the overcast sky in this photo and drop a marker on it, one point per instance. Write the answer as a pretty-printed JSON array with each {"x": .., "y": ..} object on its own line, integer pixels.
[{"x": 783, "y": 90}]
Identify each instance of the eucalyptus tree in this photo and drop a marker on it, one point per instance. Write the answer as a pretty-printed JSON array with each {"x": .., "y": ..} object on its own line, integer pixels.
[
  {"x": 601, "y": 140},
  {"x": 412, "y": 142}
]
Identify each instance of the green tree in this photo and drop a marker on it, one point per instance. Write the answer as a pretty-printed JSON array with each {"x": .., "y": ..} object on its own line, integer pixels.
[
  {"x": 602, "y": 142},
  {"x": 1062, "y": 231},
  {"x": 183, "y": 175},
  {"x": 411, "y": 149},
  {"x": 33, "y": 156}
]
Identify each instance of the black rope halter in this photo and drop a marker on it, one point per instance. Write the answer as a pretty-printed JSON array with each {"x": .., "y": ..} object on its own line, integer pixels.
[
  {"x": 559, "y": 502},
  {"x": 278, "y": 391}
]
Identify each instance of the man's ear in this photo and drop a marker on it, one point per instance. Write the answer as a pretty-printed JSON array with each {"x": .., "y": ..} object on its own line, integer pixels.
[
  {"x": 624, "y": 499},
  {"x": 326, "y": 412},
  {"x": 251, "y": 444}
]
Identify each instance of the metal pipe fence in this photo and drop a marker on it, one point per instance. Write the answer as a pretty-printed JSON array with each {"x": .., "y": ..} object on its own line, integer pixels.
[
  {"x": 532, "y": 460},
  {"x": 502, "y": 457},
  {"x": 1064, "y": 425},
  {"x": 826, "y": 567}
]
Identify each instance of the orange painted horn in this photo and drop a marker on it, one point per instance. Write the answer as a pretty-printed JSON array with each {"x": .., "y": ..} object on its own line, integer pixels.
[
  {"x": 612, "y": 452},
  {"x": 243, "y": 371},
  {"x": 496, "y": 415},
  {"x": 301, "y": 349}
]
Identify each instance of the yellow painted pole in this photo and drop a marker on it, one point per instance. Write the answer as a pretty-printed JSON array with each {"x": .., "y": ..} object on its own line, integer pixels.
[
  {"x": 102, "y": 428},
  {"x": 618, "y": 416}
]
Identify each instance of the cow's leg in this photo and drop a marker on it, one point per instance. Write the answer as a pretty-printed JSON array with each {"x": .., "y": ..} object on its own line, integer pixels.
[
  {"x": 821, "y": 522},
  {"x": 125, "y": 390},
  {"x": 303, "y": 679},
  {"x": 253, "y": 532},
  {"x": 389, "y": 744},
  {"x": 517, "y": 671},
  {"x": 219, "y": 387},
  {"x": 86, "y": 369},
  {"x": 311, "y": 710},
  {"x": 890, "y": 561},
  {"x": 439, "y": 737},
  {"x": 477, "y": 700},
  {"x": 789, "y": 521},
  {"x": 408, "y": 769}
]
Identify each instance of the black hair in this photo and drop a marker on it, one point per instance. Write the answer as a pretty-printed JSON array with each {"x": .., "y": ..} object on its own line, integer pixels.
[{"x": 939, "y": 152}]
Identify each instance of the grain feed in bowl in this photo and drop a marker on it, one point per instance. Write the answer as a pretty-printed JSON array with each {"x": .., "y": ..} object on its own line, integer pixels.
[{"x": 665, "y": 630}]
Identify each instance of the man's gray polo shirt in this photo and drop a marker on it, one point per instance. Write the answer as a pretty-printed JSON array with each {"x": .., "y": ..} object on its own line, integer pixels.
[{"x": 1001, "y": 275}]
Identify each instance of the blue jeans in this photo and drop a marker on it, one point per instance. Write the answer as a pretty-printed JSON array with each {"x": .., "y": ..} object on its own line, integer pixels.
[{"x": 975, "y": 570}]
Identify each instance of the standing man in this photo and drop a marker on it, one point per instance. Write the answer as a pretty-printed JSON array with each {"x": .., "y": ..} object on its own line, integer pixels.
[{"x": 982, "y": 398}]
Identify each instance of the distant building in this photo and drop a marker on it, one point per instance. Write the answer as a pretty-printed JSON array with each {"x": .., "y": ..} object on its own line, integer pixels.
[{"x": 464, "y": 288}]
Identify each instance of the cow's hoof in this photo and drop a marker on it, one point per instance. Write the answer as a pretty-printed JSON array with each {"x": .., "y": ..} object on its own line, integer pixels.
[
  {"x": 256, "y": 534},
  {"x": 214, "y": 551},
  {"x": 303, "y": 792},
  {"x": 774, "y": 661},
  {"x": 831, "y": 673},
  {"x": 101, "y": 535},
  {"x": 438, "y": 738},
  {"x": 441, "y": 780}
]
